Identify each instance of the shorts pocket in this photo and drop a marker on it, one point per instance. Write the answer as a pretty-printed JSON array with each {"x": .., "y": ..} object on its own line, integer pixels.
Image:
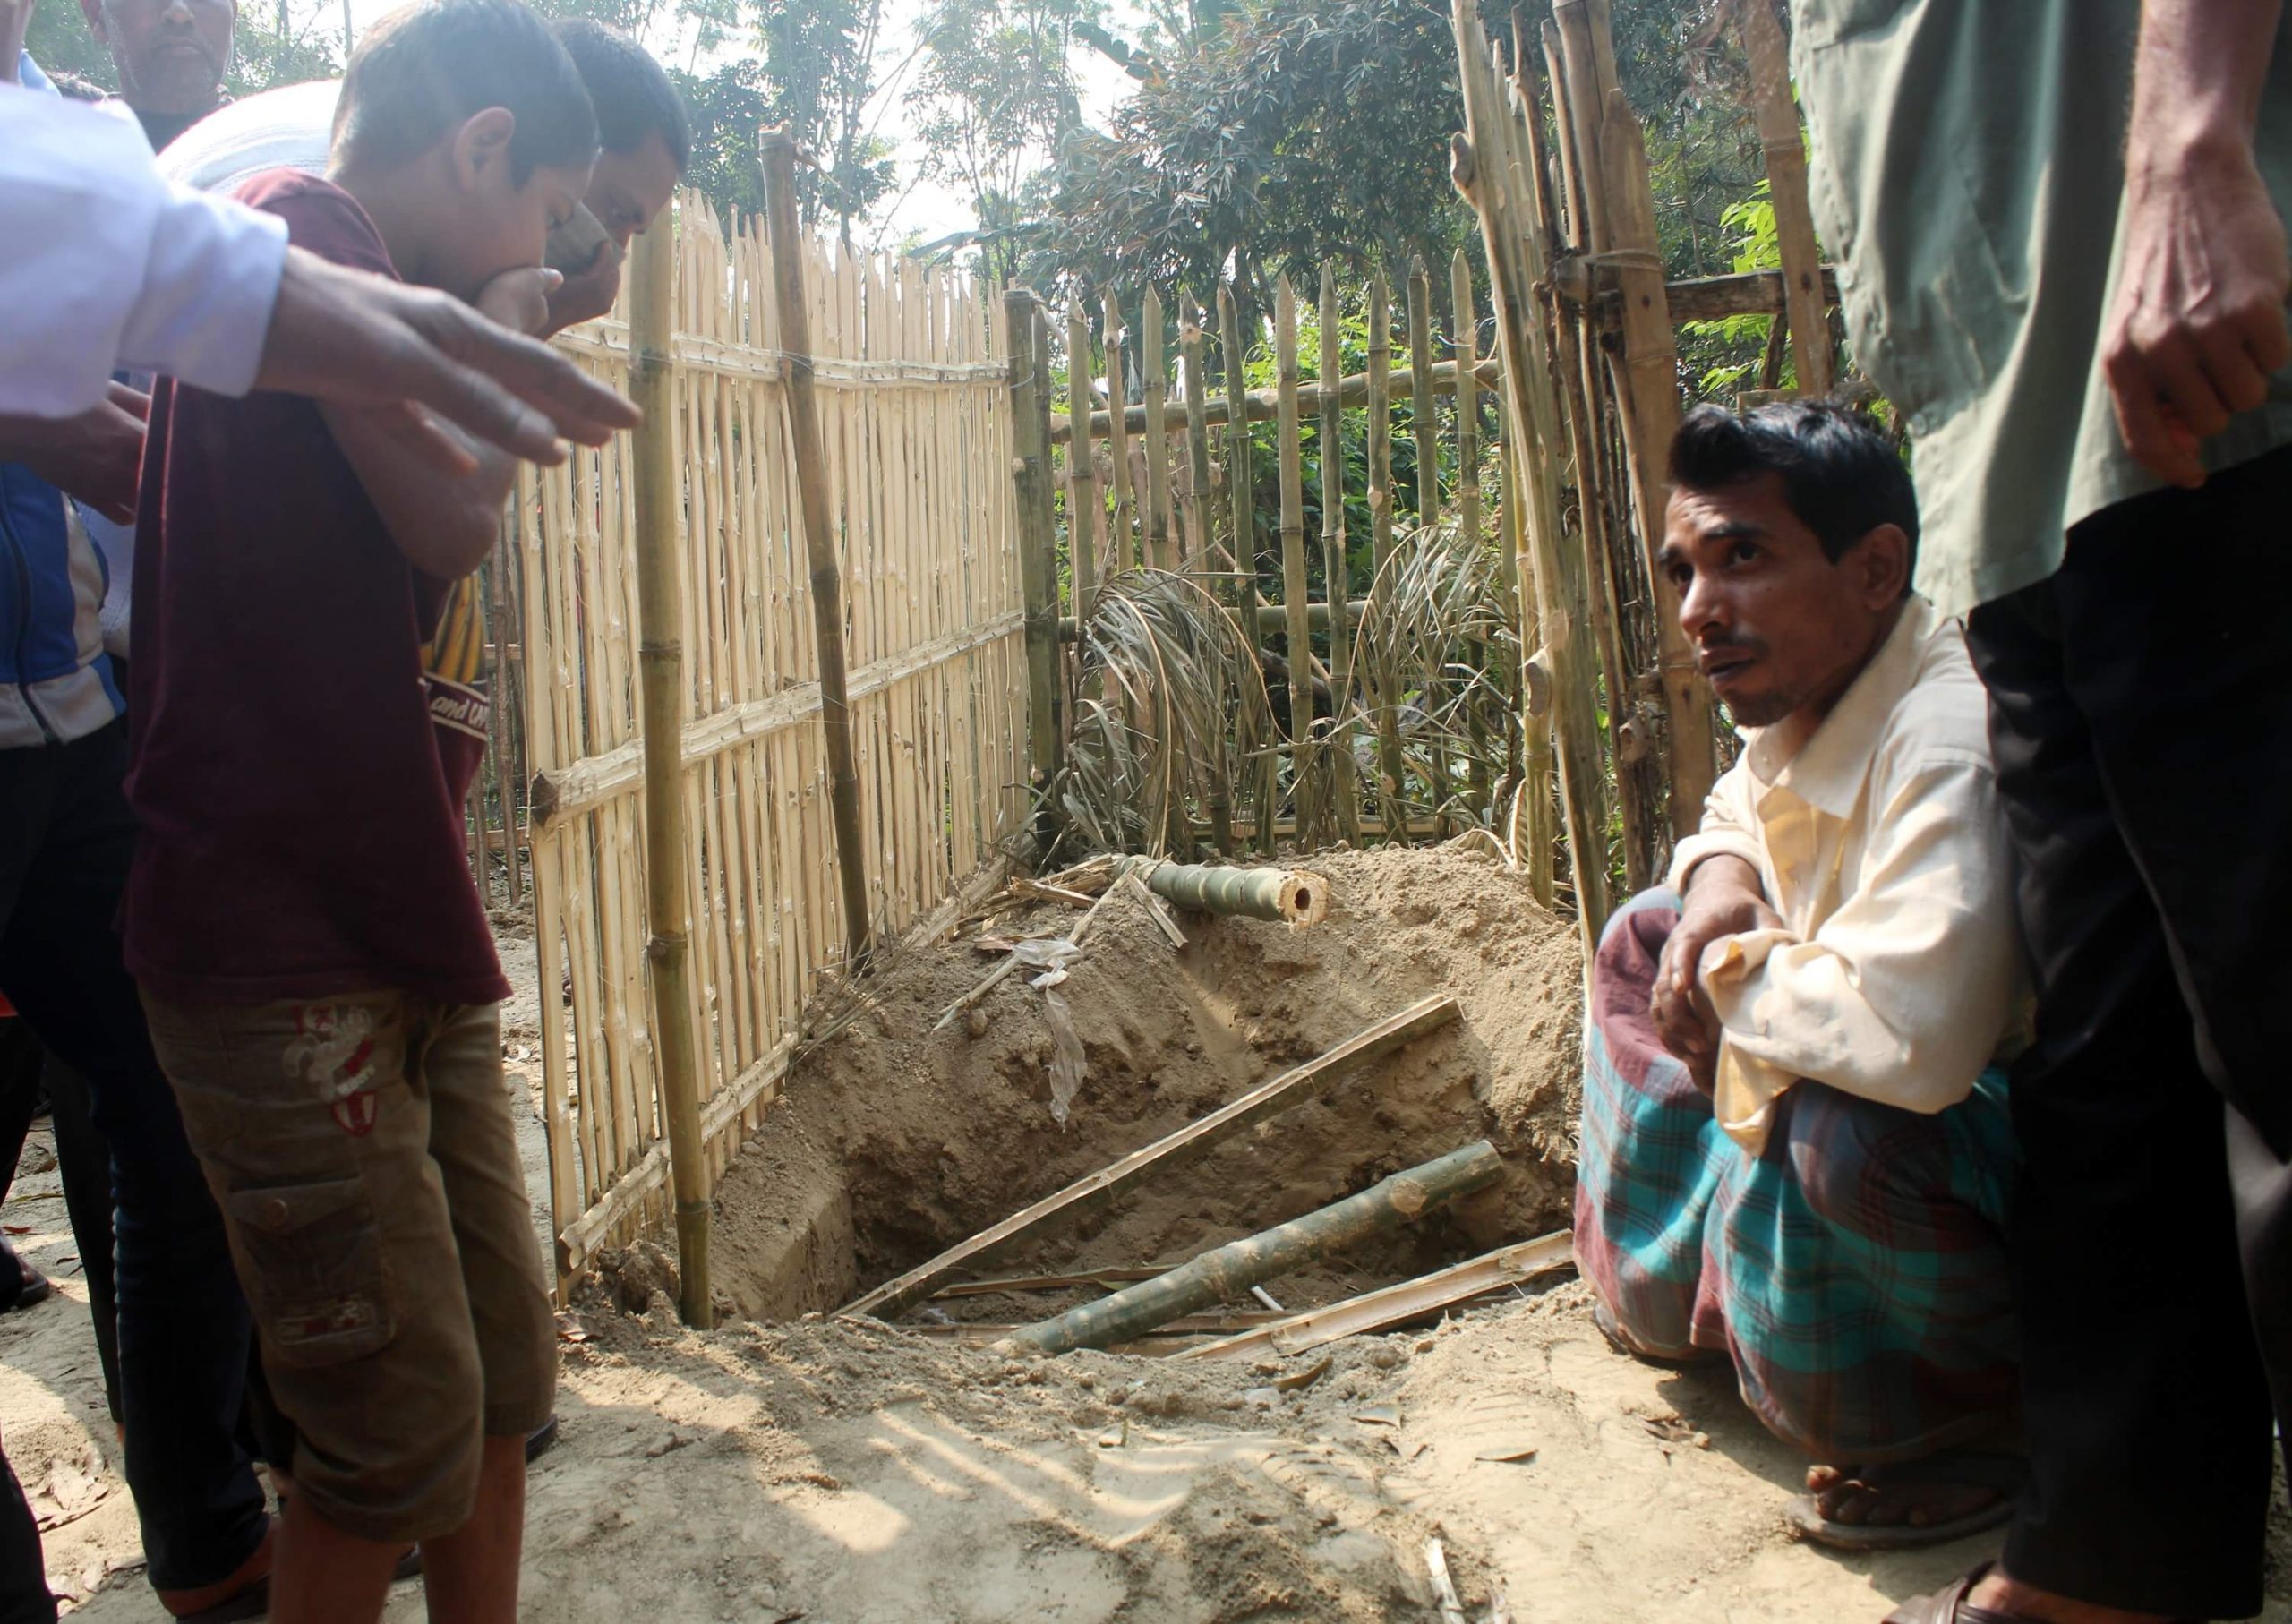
[{"x": 311, "y": 1255}]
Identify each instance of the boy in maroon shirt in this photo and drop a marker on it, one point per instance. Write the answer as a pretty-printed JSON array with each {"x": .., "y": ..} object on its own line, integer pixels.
[{"x": 317, "y": 966}]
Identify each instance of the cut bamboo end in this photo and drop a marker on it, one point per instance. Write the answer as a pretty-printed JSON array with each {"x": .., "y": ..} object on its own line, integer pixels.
[{"x": 1306, "y": 898}]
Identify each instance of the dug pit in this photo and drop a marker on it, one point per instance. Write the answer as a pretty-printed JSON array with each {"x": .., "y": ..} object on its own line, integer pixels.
[{"x": 897, "y": 1138}]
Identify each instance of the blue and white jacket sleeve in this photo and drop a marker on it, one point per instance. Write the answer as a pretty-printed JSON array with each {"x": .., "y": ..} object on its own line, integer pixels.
[{"x": 109, "y": 267}]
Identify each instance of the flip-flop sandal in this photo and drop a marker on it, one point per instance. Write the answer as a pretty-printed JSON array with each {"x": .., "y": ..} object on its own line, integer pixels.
[
  {"x": 1949, "y": 1605},
  {"x": 538, "y": 1440},
  {"x": 35, "y": 1287},
  {"x": 1977, "y": 1468}
]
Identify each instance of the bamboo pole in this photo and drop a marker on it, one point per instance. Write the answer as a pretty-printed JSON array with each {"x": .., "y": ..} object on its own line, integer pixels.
[
  {"x": 1489, "y": 169},
  {"x": 1197, "y": 552},
  {"x": 1082, "y": 510},
  {"x": 1240, "y": 479},
  {"x": 1291, "y": 895},
  {"x": 1230, "y": 1270},
  {"x": 1422, "y": 415},
  {"x": 1157, "y": 367},
  {"x": 1786, "y": 176},
  {"x": 1337, "y": 581},
  {"x": 1532, "y": 831},
  {"x": 660, "y": 607},
  {"x": 1465, "y": 338},
  {"x": 1294, "y": 593},
  {"x": 1261, "y": 406},
  {"x": 1122, "y": 551},
  {"x": 1649, "y": 400},
  {"x": 1392, "y": 768},
  {"x": 1032, "y": 470},
  {"x": 817, "y": 517}
]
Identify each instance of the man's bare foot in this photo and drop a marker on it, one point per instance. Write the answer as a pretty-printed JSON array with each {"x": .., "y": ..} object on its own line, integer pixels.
[
  {"x": 2001, "y": 1592},
  {"x": 1896, "y": 1497}
]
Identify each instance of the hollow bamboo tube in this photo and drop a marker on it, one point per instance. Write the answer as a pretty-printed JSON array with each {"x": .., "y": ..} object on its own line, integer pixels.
[
  {"x": 1293, "y": 594},
  {"x": 1121, "y": 550},
  {"x": 1288, "y": 894},
  {"x": 660, "y": 611},
  {"x": 1337, "y": 582},
  {"x": 1155, "y": 366},
  {"x": 1082, "y": 510},
  {"x": 1422, "y": 415},
  {"x": 1230, "y": 1270},
  {"x": 1786, "y": 176}
]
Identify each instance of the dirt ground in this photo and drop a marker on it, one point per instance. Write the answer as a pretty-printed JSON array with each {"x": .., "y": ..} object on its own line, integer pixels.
[{"x": 842, "y": 1471}]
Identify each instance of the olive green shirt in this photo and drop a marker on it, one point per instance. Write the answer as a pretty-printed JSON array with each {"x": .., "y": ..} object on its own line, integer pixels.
[{"x": 1967, "y": 173}]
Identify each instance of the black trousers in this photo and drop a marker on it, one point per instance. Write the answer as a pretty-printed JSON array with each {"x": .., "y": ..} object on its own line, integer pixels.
[
  {"x": 2141, "y": 714},
  {"x": 84, "y": 1163}
]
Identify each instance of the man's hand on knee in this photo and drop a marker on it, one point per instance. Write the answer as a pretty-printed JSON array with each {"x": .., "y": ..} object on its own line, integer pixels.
[{"x": 1723, "y": 898}]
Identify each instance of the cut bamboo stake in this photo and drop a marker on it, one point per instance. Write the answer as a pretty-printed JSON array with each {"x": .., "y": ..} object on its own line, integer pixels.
[
  {"x": 1531, "y": 837},
  {"x": 1395, "y": 1305},
  {"x": 660, "y": 607},
  {"x": 1422, "y": 415},
  {"x": 1489, "y": 170},
  {"x": 1289, "y": 894},
  {"x": 1155, "y": 364},
  {"x": 1786, "y": 176},
  {"x": 1240, "y": 479},
  {"x": 1082, "y": 510},
  {"x": 1294, "y": 593},
  {"x": 1164, "y": 1155},
  {"x": 1122, "y": 553},
  {"x": 1337, "y": 581},
  {"x": 1444, "y": 1588},
  {"x": 1230, "y": 1270},
  {"x": 818, "y": 519},
  {"x": 1031, "y": 460}
]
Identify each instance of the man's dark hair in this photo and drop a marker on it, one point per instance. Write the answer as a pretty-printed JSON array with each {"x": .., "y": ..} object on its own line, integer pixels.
[
  {"x": 422, "y": 71},
  {"x": 1841, "y": 475},
  {"x": 632, "y": 94}
]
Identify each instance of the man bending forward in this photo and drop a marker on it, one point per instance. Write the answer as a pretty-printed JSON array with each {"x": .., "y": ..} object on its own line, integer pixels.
[{"x": 1795, "y": 1149}]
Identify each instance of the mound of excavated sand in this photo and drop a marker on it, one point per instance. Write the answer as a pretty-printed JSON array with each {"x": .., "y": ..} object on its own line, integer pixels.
[{"x": 895, "y": 1140}]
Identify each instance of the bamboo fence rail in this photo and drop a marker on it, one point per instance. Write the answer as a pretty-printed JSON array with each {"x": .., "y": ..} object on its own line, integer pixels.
[{"x": 912, "y": 387}]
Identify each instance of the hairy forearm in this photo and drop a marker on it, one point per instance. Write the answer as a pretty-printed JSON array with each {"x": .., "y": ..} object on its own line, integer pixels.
[
  {"x": 445, "y": 523},
  {"x": 2197, "y": 78}
]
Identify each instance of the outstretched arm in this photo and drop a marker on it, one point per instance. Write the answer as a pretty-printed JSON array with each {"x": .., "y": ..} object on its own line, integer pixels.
[{"x": 2198, "y": 320}]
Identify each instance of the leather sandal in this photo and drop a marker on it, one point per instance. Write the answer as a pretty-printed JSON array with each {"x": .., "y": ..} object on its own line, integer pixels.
[
  {"x": 1974, "y": 1468},
  {"x": 1949, "y": 1605}
]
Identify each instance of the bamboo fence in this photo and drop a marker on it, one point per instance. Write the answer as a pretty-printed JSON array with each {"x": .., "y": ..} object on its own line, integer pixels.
[{"x": 916, "y": 442}]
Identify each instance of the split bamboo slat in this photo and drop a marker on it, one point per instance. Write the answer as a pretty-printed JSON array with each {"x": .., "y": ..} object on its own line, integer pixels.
[
  {"x": 1391, "y": 770},
  {"x": 1786, "y": 174},
  {"x": 1464, "y": 340},
  {"x": 910, "y": 376}
]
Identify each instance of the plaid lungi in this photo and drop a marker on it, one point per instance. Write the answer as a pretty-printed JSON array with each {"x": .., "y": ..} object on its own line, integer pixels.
[{"x": 1854, "y": 1270}]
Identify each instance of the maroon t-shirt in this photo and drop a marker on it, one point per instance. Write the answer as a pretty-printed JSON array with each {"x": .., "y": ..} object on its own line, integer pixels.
[{"x": 299, "y": 837}]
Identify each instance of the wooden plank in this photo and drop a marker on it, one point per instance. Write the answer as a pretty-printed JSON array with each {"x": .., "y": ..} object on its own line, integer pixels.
[
  {"x": 1164, "y": 1155},
  {"x": 1399, "y": 1304}
]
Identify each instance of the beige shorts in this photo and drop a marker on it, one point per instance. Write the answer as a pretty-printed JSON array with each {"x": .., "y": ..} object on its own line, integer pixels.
[{"x": 362, "y": 1151}]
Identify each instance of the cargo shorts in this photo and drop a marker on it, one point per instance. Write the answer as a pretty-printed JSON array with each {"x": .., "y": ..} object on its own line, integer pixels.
[{"x": 362, "y": 1153}]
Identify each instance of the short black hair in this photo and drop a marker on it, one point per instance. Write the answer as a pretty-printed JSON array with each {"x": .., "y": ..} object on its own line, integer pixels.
[
  {"x": 422, "y": 70},
  {"x": 1841, "y": 475},
  {"x": 631, "y": 91}
]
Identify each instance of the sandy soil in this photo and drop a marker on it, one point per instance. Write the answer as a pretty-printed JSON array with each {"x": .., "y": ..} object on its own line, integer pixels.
[{"x": 844, "y": 1472}]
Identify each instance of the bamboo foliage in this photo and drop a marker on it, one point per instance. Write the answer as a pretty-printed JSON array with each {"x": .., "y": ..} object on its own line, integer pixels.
[{"x": 916, "y": 446}]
